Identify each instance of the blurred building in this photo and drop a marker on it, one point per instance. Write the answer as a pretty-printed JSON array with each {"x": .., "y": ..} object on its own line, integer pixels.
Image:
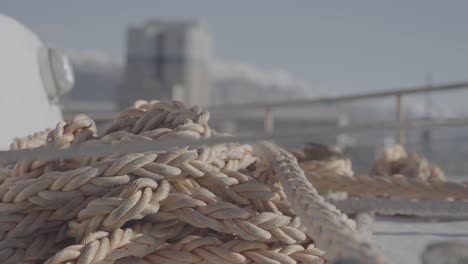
[{"x": 167, "y": 60}]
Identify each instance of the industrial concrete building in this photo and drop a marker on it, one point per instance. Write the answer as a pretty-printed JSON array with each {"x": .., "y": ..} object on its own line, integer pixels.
[{"x": 167, "y": 60}]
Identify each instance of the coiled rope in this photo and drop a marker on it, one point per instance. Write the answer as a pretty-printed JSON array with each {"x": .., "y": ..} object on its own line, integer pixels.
[
  {"x": 216, "y": 204},
  {"x": 332, "y": 230},
  {"x": 400, "y": 183}
]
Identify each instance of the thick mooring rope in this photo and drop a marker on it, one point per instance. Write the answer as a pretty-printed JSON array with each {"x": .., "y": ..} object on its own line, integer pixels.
[
  {"x": 332, "y": 229},
  {"x": 216, "y": 204},
  {"x": 211, "y": 204},
  {"x": 417, "y": 188},
  {"x": 432, "y": 209},
  {"x": 396, "y": 160},
  {"x": 391, "y": 186}
]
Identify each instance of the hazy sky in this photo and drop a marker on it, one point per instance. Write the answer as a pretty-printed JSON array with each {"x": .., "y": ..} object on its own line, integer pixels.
[{"x": 344, "y": 45}]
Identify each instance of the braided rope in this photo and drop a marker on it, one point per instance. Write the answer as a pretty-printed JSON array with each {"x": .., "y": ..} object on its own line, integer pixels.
[
  {"x": 31, "y": 249},
  {"x": 422, "y": 191},
  {"x": 102, "y": 194},
  {"x": 196, "y": 249},
  {"x": 330, "y": 228},
  {"x": 31, "y": 141},
  {"x": 227, "y": 218},
  {"x": 396, "y": 160},
  {"x": 223, "y": 203},
  {"x": 147, "y": 116},
  {"x": 104, "y": 247},
  {"x": 391, "y": 186},
  {"x": 395, "y": 173},
  {"x": 328, "y": 168},
  {"x": 60, "y": 196},
  {"x": 56, "y": 189},
  {"x": 75, "y": 131},
  {"x": 432, "y": 209}
]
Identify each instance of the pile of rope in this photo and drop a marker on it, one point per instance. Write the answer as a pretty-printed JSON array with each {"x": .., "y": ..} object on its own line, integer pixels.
[
  {"x": 225, "y": 203},
  {"x": 399, "y": 183},
  {"x": 395, "y": 160},
  {"x": 326, "y": 161}
]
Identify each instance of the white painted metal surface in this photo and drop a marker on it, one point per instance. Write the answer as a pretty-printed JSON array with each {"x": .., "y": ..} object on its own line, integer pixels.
[{"x": 26, "y": 91}]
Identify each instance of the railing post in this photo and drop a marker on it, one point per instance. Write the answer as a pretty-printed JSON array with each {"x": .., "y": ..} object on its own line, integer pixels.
[
  {"x": 400, "y": 115},
  {"x": 269, "y": 119}
]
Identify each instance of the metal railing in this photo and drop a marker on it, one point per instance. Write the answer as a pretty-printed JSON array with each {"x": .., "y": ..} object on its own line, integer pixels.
[
  {"x": 398, "y": 94},
  {"x": 101, "y": 149}
]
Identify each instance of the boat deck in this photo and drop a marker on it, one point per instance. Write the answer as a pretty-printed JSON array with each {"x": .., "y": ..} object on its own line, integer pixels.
[{"x": 403, "y": 239}]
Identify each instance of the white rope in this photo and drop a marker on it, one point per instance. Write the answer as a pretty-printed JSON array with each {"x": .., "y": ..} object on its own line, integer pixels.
[
  {"x": 428, "y": 208},
  {"x": 332, "y": 230}
]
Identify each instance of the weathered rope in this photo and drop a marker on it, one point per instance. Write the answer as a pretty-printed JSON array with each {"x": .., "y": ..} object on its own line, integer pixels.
[
  {"x": 331, "y": 229},
  {"x": 230, "y": 203},
  {"x": 396, "y": 160},
  {"x": 391, "y": 186},
  {"x": 31, "y": 141},
  {"x": 422, "y": 191},
  {"x": 107, "y": 247},
  {"x": 31, "y": 249},
  {"x": 433, "y": 209},
  {"x": 196, "y": 249},
  {"x": 75, "y": 131},
  {"x": 142, "y": 206}
]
